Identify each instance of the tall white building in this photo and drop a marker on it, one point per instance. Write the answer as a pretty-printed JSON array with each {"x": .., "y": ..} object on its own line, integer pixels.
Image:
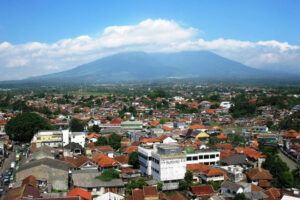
[
  {"x": 204, "y": 156},
  {"x": 78, "y": 137},
  {"x": 165, "y": 162}
]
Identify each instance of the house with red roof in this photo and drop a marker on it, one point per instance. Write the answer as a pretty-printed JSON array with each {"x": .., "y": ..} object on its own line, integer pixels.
[
  {"x": 147, "y": 193},
  {"x": 78, "y": 192},
  {"x": 104, "y": 162},
  {"x": 200, "y": 191}
]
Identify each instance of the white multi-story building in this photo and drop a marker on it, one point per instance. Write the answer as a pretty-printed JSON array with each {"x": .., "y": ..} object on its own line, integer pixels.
[
  {"x": 165, "y": 162},
  {"x": 78, "y": 137},
  {"x": 50, "y": 138},
  {"x": 205, "y": 156},
  {"x": 235, "y": 173}
]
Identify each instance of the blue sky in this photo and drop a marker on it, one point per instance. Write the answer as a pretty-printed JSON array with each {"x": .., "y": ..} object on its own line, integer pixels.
[
  {"x": 45, "y": 36},
  {"x": 51, "y": 20}
]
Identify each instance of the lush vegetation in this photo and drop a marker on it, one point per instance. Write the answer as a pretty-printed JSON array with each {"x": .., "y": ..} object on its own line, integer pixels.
[
  {"x": 133, "y": 184},
  {"x": 242, "y": 107},
  {"x": 101, "y": 141},
  {"x": 187, "y": 182},
  {"x": 134, "y": 160},
  {"x": 115, "y": 141},
  {"x": 282, "y": 177},
  {"x": 76, "y": 125},
  {"x": 108, "y": 175},
  {"x": 23, "y": 126}
]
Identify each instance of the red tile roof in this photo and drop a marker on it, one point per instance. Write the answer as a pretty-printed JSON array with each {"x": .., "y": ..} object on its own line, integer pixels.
[
  {"x": 202, "y": 190},
  {"x": 149, "y": 140},
  {"x": 80, "y": 192},
  {"x": 259, "y": 174},
  {"x": 105, "y": 161}
]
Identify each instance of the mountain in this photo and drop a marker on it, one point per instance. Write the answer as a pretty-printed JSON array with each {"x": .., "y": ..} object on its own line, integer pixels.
[{"x": 131, "y": 66}]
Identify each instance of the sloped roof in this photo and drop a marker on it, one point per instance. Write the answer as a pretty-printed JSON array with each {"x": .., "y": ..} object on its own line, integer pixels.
[
  {"x": 202, "y": 190},
  {"x": 259, "y": 174},
  {"x": 80, "y": 192}
]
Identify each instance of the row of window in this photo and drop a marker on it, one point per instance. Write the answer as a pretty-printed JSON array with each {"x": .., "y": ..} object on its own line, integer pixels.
[
  {"x": 155, "y": 170},
  {"x": 202, "y": 157}
]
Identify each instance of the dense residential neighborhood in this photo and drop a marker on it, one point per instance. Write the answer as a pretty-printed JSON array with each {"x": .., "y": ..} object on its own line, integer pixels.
[{"x": 241, "y": 143}]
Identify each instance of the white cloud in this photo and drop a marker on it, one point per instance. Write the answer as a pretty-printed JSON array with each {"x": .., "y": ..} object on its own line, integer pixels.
[{"x": 159, "y": 35}]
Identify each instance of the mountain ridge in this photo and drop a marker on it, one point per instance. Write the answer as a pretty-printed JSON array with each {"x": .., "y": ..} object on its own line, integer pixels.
[{"x": 136, "y": 65}]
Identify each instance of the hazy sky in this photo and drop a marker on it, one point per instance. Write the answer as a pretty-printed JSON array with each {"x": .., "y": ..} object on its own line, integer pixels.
[{"x": 45, "y": 36}]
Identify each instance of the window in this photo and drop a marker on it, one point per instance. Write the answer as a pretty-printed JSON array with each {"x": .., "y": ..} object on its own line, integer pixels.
[
  {"x": 212, "y": 156},
  {"x": 217, "y": 155},
  {"x": 206, "y": 156},
  {"x": 200, "y": 157},
  {"x": 189, "y": 158},
  {"x": 195, "y": 158}
]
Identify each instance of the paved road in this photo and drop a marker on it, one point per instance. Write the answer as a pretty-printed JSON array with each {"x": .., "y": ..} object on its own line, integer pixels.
[
  {"x": 6, "y": 164},
  {"x": 291, "y": 164}
]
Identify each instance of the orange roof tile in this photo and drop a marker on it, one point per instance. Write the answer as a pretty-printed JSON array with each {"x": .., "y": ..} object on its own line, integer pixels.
[
  {"x": 81, "y": 193},
  {"x": 149, "y": 140}
]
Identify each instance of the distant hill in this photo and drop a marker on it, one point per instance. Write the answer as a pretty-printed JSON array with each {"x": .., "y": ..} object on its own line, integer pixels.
[{"x": 131, "y": 66}]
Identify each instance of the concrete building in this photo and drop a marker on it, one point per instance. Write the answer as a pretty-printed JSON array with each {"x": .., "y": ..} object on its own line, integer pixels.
[
  {"x": 78, "y": 137},
  {"x": 50, "y": 173},
  {"x": 207, "y": 157},
  {"x": 50, "y": 138},
  {"x": 235, "y": 173},
  {"x": 164, "y": 162}
]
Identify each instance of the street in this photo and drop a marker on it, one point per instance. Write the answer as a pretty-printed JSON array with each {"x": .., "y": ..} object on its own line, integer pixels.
[{"x": 290, "y": 163}]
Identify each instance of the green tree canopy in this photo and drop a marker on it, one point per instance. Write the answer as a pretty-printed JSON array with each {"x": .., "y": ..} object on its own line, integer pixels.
[
  {"x": 134, "y": 160},
  {"x": 108, "y": 175},
  {"x": 76, "y": 125},
  {"x": 96, "y": 128},
  {"x": 101, "y": 141},
  {"x": 240, "y": 196},
  {"x": 23, "y": 126},
  {"x": 115, "y": 141}
]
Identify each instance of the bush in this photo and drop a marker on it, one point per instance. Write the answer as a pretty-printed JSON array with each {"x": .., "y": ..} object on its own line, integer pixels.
[{"x": 108, "y": 175}]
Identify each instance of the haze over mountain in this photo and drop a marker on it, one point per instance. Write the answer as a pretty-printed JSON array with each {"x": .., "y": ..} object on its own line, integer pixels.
[{"x": 130, "y": 66}]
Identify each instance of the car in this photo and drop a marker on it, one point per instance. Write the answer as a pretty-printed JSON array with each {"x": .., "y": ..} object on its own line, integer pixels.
[
  {"x": 6, "y": 181},
  {"x": 1, "y": 175},
  {"x": 1, "y": 188},
  {"x": 6, "y": 176},
  {"x": 11, "y": 185},
  {"x": 17, "y": 167},
  {"x": 9, "y": 173},
  {"x": 12, "y": 178}
]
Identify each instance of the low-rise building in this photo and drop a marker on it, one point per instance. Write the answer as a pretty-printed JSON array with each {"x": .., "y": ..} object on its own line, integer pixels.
[
  {"x": 165, "y": 163},
  {"x": 50, "y": 138}
]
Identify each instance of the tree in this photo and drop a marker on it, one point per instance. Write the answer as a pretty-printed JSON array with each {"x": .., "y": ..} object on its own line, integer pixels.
[
  {"x": 140, "y": 183},
  {"x": 163, "y": 120},
  {"x": 76, "y": 125},
  {"x": 23, "y": 126},
  {"x": 240, "y": 196},
  {"x": 270, "y": 123},
  {"x": 134, "y": 160},
  {"x": 183, "y": 185},
  {"x": 101, "y": 141},
  {"x": 115, "y": 141},
  {"x": 108, "y": 175},
  {"x": 96, "y": 128},
  {"x": 286, "y": 179},
  {"x": 159, "y": 186},
  {"x": 188, "y": 177}
]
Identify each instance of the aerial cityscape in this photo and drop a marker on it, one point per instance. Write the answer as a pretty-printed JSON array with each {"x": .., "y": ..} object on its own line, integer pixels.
[{"x": 149, "y": 100}]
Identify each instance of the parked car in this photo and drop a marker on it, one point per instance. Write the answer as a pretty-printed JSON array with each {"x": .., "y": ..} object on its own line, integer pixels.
[
  {"x": 1, "y": 188},
  {"x": 11, "y": 185},
  {"x": 12, "y": 178},
  {"x": 1, "y": 175},
  {"x": 6, "y": 181}
]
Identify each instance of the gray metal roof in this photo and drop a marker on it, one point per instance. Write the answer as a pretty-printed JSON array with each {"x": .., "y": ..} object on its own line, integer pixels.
[
  {"x": 53, "y": 163},
  {"x": 86, "y": 179}
]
